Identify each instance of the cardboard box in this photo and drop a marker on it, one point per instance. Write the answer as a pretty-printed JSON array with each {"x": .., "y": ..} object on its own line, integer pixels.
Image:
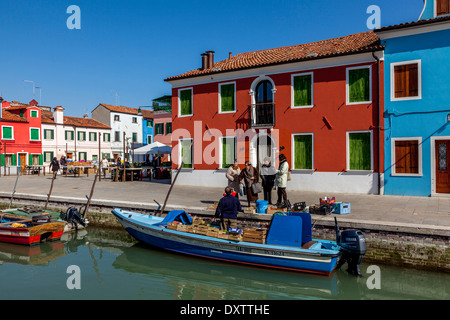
[{"x": 341, "y": 208}]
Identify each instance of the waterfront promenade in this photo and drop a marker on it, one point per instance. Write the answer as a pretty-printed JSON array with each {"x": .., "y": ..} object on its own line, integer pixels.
[{"x": 427, "y": 215}]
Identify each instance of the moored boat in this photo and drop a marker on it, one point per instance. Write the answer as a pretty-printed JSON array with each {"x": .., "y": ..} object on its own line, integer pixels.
[
  {"x": 29, "y": 231},
  {"x": 288, "y": 244}
]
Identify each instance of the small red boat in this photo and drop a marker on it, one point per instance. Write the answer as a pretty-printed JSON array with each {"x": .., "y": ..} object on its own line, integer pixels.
[{"x": 31, "y": 231}]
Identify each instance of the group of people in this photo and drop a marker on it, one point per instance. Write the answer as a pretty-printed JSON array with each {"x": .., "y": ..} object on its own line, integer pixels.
[{"x": 241, "y": 181}]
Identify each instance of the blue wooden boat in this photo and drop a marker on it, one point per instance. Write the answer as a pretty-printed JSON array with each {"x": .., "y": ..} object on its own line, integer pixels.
[{"x": 289, "y": 244}]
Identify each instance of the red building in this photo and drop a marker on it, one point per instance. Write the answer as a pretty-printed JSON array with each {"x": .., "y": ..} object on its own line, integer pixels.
[
  {"x": 20, "y": 126},
  {"x": 318, "y": 103}
]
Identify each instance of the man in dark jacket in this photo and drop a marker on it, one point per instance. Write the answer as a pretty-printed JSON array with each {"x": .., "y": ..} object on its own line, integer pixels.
[{"x": 227, "y": 209}]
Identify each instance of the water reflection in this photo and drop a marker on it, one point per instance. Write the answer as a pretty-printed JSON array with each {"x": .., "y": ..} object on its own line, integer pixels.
[{"x": 117, "y": 267}]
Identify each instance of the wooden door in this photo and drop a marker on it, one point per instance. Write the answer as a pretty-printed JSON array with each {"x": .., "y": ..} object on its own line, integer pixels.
[
  {"x": 22, "y": 161},
  {"x": 443, "y": 166}
]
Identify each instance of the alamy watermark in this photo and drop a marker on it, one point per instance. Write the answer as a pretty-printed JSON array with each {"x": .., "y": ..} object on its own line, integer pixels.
[
  {"x": 374, "y": 21},
  {"x": 74, "y": 20},
  {"x": 74, "y": 280}
]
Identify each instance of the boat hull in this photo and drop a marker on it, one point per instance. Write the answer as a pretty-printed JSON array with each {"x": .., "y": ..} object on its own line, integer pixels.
[
  {"x": 320, "y": 262},
  {"x": 32, "y": 235}
]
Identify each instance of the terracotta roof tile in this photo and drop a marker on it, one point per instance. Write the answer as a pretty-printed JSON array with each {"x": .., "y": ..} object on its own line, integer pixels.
[
  {"x": 11, "y": 117},
  {"x": 47, "y": 117},
  {"x": 414, "y": 23},
  {"x": 120, "y": 109},
  {"x": 147, "y": 114},
  {"x": 355, "y": 43}
]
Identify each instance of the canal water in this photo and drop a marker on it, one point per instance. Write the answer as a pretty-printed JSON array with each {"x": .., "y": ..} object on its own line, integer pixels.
[{"x": 108, "y": 264}]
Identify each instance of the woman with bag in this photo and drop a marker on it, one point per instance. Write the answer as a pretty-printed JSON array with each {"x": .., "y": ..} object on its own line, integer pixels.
[
  {"x": 281, "y": 180},
  {"x": 268, "y": 179},
  {"x": 232, "y": 175},
  {"x": 250, "y": 176}
]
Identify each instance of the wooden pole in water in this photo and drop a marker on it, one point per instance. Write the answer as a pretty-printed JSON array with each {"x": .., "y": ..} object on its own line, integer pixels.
[
  {"x": 91, "y": 194},
  {"x": 176, "y": 176},
  {"x": 51, "y": 188}
]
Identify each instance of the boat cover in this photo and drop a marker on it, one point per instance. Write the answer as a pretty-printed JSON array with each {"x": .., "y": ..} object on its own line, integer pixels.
[{"x": 177, "y": 215}]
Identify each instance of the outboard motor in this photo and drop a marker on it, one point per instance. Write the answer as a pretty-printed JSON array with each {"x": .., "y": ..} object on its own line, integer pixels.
[
  {"x": 352, "y": 245},
  {"x": 72, "y": 216}
]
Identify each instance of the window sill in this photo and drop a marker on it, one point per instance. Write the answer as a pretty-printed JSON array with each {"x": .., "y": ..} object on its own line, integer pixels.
[
  {"x": 417, "y": 175},
  {"x": 359, "y": 171},
  {"x": 358, "y": 103},
  {"x": 303, "y": 170},
  {"x": 302, "y": 107}
]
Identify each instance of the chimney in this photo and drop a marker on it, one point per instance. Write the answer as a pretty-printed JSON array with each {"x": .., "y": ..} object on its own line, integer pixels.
[
  {"x": 210, "y": 59},
  {"x": 204, "y": 61},
  {"x": 58, "y": 115},
  {"x": 85, "y": 116},
  {"x": 230, "y": 54}
]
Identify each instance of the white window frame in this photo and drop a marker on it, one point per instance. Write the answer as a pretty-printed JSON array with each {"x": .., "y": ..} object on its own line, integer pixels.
[
  {"x": 12, "y": 132},
  {"x": 179, "y": 153},
  {"x": 347, "y": 86},
  {"x": 292, "y": 90},
  {"x": 293, "y": 151},
  {"x": 221, "y": 149},
  {"x": 419, "y": 79},
  {"x": 39, "y": 131},
  {"x": 73, "y": 135},
  {"x": 348, "y": 151},
  {"x": 179, "y": 102},
  {"x": 37, "y": 113},
  {"x": 393, "y": 173},
  {"x": 220, "y": 97}
]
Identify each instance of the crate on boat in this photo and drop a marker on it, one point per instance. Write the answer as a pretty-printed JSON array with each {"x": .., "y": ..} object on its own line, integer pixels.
[
  {"x": 255, "y": 235},
  {"x": 182, "y": 227},
  {"x": 172, "y": 226},
  {"x": 212, "y": 232},
  {"x": 235, "y": 236},
  {"x": 222, "y": 235}
]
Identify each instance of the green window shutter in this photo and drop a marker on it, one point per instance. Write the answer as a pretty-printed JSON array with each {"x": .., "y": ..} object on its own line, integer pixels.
[
  {"x": 67, "y": 135},
  {"x": 303, "y": 151},
  {"x": 2, "y": 160},
  {"x": 188, "y": 163},
  {"x": 359, "y": 85},
  {"x": 34, "y": 114},
  {"x": 34, "y": 134},
  {"x": 186, "y": 102},
  {"x": 227, "y": 93},
  {"x": 30, "y": 159},
  {"x": 7, "y": 133},
  {"x": 303, "y": 90},
  {"x": 41, "y": 160},
  {"x": 14, "y": 160},
  {"x": 360, "y": 153},
  {"x": 228, "y": 151}
]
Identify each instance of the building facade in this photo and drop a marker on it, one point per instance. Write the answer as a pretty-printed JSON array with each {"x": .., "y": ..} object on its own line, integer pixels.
[
  {"x": 126, "y": 127},
  {"x": 21, "y": 139},
  {"x": 79, "y": 139},
  {"x": 317, "y": 103},
  {"x": 162, "y": 127},
  {"x": 417, "y": 94}
]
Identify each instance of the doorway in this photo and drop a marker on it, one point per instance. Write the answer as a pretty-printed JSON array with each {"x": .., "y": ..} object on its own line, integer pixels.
[
  {"x": 22, "y": 161},
  {"x": 442, "y": 149}
]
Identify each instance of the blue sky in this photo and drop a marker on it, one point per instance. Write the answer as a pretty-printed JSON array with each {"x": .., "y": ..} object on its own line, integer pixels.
[{"x": 129, "y": 47}]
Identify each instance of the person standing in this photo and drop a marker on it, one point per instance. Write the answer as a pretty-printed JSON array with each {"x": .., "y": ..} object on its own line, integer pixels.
[
  {"x": 54, "y": 166},
  {"x": 227, "y": 209},
  {"x": 232, "y": 175},
  {"x": 104, "y": 164},
  {"x": 63, "y": 164},
  {"x": 268, "y": 179},
  {"x": 281, "y": 180},
  {"x": 250, "y": 175}
]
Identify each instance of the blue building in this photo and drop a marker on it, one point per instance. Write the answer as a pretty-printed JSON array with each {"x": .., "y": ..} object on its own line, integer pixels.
[
  {"x": 147, "y": 127},
  {"x": 417, "y": 103}
]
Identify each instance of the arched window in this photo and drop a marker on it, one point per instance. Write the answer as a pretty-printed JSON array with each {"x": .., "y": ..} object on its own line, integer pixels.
[{"x": 264, "y": 92}]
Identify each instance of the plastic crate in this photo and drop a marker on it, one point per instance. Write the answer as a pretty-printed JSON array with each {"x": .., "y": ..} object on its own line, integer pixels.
[{"x": 341, "y": 207}]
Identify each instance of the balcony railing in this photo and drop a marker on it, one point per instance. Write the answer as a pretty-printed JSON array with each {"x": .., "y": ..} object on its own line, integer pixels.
[{"x": 262, "y": 115}]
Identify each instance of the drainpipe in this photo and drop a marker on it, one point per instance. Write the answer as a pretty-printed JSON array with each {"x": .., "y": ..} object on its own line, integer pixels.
[{"x": 379, "y": 121}]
